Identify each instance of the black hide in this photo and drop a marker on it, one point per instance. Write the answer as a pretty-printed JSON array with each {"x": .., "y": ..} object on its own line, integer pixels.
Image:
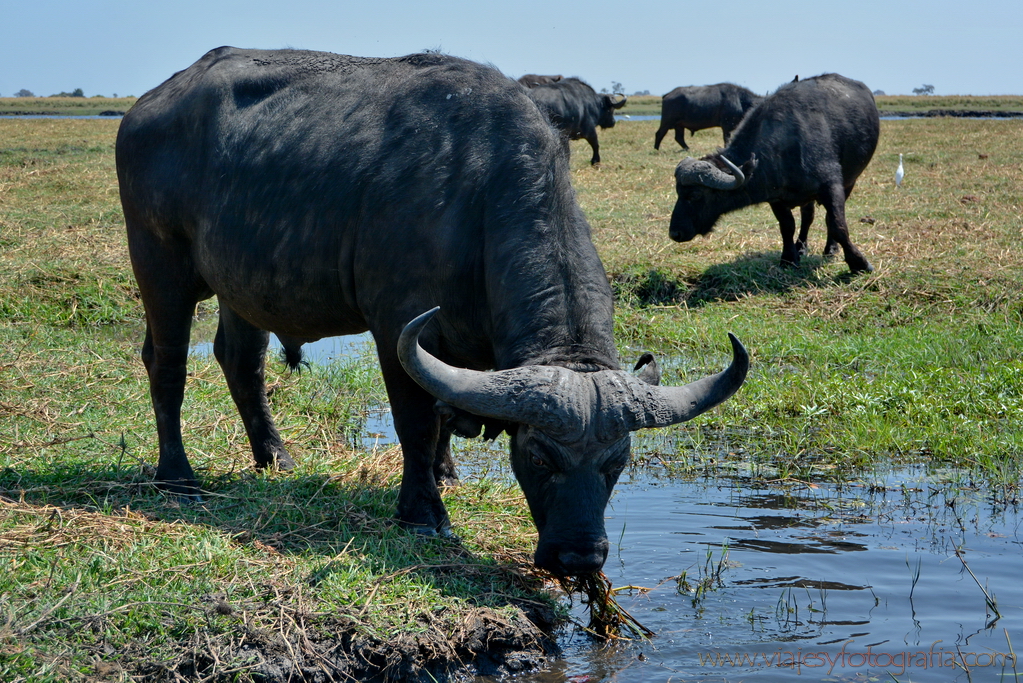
[
  {"x": 806, "y": 143},
  {"x": 704, "y": 106}
]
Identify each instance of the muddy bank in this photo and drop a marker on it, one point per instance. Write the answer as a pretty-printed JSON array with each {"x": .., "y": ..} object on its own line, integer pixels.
[{"x": 320, "y": 648}]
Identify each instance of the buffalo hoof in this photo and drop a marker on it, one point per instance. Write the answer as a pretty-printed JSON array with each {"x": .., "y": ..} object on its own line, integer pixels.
[
  {"x": 858, "y": 263},
  {"x": 864, "y": 267},
  {"x": 185, "y": 492},
  {"x": 448, "y": 482},
  {"x": 280, "y": 460},
  {"x": 444, "y": 531}
]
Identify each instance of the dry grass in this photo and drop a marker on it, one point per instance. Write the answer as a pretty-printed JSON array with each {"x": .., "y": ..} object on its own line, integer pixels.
[
  {"x": 959, "y": 208},
  {"x": 107, "y": 578}
]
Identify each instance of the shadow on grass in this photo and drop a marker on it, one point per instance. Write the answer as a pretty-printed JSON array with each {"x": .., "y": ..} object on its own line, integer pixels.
[
  {"x": 309, "y": 515},
  {"x": 310, "y": 521},
  {"x": 748, "y": 275}
]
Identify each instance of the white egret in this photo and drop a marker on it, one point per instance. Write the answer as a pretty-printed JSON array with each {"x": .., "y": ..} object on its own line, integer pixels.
[{"x": 900, "y": 173}]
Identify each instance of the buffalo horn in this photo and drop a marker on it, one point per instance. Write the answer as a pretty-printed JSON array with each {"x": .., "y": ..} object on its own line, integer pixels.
[
  {"x": 552, "y": 398},
  {"x": 692, "y": 171},
  {"x": 663, "y": 406}
]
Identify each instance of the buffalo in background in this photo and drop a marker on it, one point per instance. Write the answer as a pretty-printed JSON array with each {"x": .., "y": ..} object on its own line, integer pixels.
[
  {"x": 704, "y": 106},
  {"x": 806, "y": 143},
  {"x": 577, "y": 109},
  {"x": 317, "y": 195}
]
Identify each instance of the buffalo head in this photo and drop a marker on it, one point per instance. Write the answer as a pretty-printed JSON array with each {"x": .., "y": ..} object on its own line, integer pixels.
[
  {"x": 608, "y": 105},
  {"x": 705, "y": 191},
  {"x": 570, "y": 439}
]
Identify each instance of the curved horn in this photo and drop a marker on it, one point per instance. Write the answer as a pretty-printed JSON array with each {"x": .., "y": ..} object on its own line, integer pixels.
[
  {"x": 663, "y": 406},
  {"x": 692, "y": 171},
  {"x": 549, "y": 397},
  {"x": 740, "y": 177}
]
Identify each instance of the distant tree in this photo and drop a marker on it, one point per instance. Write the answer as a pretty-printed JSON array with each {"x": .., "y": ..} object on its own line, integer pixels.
[
  {"x": 877, "y": 93},
  {"x": 617, "y": 87},
  {"x": 924, "y": 90},
  {"x": 641, "y": 92},
  {"x": 77, "y": 92},
  {"x": 24, "y": 93}
]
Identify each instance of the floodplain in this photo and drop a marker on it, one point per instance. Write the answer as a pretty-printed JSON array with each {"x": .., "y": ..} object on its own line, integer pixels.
[{"x": 890, "y": 398}]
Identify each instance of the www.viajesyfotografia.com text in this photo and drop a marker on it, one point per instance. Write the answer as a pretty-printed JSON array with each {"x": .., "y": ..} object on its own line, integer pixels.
[{"x": 846, "y": 658}]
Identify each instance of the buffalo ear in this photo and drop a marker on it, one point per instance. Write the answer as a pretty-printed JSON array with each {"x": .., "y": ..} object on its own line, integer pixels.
[
  {"x": 463, "y": 424},
  {"x": 469, "y": 426},
  {"x": 750, "y": 166},
  {"x": 647, "y": 369}
]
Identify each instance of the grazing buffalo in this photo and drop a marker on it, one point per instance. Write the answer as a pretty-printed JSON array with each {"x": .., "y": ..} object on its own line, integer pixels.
[
  {"x": 806, "y": 143},
  {"x": 530, "y": 80},
  {"x": 318, "y": 194},
  {"x": 577, "y": 109},
  {"x": 704, "y": 106}
]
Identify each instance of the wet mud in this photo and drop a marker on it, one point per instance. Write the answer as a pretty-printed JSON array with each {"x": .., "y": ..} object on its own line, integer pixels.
[{"x": 320, "y": 649}]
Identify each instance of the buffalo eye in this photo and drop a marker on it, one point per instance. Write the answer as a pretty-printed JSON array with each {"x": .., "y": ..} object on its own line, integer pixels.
[
  {"x": 538, "y": 461},
  {"x": 612, "y": 474}
]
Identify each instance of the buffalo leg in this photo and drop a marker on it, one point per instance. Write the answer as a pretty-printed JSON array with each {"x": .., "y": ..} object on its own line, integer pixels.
[
  {"x": 240, "y": 348},
  {"x": 419, "y": 430},
  {"x": 680, "y": 137},
  {"x": 169, "y": 291},
  {"x": 444, "y": 471},
  {"x": 789, "y": 253},
  {"x": 833, "y": 200},
  {"x": 830, "y": 247},
  {"x": 592, "y": 139},
  {"x": 659, "y": 135},
  {"x": 805, "y": 221}
]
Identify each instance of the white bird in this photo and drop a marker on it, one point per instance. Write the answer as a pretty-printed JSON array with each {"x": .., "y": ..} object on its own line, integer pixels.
[{"x": 900, "y": 173}]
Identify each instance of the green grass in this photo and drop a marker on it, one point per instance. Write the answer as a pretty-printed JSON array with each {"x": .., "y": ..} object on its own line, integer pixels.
[
  {"x": 64, "y": 106},
  {"x": 918, "y": 360},
  {"x": 106, "y": 577}
]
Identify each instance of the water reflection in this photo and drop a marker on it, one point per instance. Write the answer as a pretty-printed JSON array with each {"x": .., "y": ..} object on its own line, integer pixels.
[
  {"x": 378, "y": 428},
  {"x": 321, "y": 351}
]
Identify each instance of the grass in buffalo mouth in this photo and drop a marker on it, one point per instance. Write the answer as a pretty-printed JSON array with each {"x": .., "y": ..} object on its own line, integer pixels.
[{"x": 609, "y": 621}]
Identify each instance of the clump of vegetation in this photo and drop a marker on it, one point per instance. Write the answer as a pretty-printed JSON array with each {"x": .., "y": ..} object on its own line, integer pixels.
[{"x": 609, "y": 621}]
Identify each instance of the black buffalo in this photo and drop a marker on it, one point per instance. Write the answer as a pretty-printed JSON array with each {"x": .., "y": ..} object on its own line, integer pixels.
[
  {"x": 317, "y": 194},
  {"x": 806, "y": 143},
  {"x": 530, "y": 80},
  {"x": 577, "y": 109},
  {"x": 704, "y": 106}
]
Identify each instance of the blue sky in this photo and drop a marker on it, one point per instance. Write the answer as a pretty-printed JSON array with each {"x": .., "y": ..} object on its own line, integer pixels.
[{"x": 129, "y": 46}]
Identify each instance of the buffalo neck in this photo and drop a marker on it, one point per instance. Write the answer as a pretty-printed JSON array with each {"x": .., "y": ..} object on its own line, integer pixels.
[{"x": 550, "y": 300}]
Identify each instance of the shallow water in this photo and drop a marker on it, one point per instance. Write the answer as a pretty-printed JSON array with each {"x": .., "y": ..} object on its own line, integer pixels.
[
  {"x": 378, "y": 429},
  {"x": 804, "y": 582}
]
